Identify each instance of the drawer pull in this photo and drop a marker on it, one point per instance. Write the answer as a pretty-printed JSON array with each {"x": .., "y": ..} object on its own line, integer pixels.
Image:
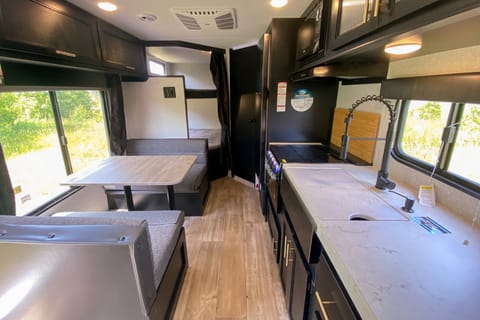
[
  {"x": 321, "y": 304},
  {"x": 287, "y": 255},
  {"x": 66, "y": 53},
  {"x": 130, "y": 68}
]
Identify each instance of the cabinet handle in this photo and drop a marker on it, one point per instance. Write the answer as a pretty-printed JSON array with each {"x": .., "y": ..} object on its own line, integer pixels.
[
  {"x": 275, "y": 246},
  {"x": 130, "y": 68},
  {"x": 285, "y": 248},
  {"x": 66, "y": 53},
  {"x": 287, "y": 255},
  {"x": 292, "y": 251},
  {"x": 322, "y": 308},
  {"x": 377, "y": 8}
]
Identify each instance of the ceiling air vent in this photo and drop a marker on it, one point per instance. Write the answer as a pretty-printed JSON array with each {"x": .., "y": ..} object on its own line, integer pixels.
[{"x": 206, "y": 18}]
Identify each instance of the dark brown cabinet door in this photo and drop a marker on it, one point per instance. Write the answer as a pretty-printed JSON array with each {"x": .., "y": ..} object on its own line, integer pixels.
[
  {"x": 391, "y": 10},
  {"x": 351, "y": 20},
  {"x": 50, "y": 28},
  {"x": 288, "y": 261},
  {"x": 121, "y": 50}
]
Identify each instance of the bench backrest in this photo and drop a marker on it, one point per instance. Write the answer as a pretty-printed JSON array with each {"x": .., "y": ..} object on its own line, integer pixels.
[
  {"x": 150, "y": 147},
  {"x": 73, "y": 268}
]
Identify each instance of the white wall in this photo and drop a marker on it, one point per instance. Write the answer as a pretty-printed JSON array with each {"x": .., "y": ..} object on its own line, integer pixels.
[
  {"x": 149, "y": 115},
  {"x": 203, "y": 114},
  {"x": 197, "y": 75},
  {"x": 447, "y": 62},
  {"x": 462, "y": 60}
]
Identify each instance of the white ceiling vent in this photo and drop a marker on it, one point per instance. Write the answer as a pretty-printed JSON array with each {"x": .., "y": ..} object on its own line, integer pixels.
[{"x": 206, "y": 18}]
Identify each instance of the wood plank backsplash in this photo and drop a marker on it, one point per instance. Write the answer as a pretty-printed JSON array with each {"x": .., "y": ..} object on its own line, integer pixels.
[{"x": 363, "y": 125}]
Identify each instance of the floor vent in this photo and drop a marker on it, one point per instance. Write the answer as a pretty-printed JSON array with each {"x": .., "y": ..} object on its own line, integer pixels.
[{"x": 206, "y": 18}]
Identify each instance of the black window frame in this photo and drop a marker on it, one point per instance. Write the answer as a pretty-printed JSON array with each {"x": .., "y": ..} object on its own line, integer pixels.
[
  {"x": 63, "y": 144},
  {"x": 441, "y": 173}
]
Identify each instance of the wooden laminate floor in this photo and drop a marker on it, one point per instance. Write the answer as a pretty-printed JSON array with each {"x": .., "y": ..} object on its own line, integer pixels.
[{"x": 232, "y": 273}]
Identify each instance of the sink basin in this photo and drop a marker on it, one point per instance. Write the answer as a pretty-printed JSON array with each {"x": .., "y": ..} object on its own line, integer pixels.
[
  {"x": 387, "y": 215},
  {"x": 360, "y": 217}
]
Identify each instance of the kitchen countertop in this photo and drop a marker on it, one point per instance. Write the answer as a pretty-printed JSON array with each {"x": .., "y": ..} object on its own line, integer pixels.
[{"x": 392, "y": 268}]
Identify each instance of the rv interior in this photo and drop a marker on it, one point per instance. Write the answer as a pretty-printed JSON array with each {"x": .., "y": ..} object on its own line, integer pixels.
[{"x": 257, "y": 159}]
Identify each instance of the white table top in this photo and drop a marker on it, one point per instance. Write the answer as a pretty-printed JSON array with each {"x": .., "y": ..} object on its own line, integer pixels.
[{"x": 134, "y": 171}]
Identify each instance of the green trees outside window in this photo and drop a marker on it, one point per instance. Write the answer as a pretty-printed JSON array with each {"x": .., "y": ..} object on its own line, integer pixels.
[
  {"x": 445, "y": 135},
  {"x": 47, "y": 135}
]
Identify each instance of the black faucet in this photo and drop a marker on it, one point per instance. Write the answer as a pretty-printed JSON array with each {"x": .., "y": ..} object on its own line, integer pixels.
[
  {"x": 409, "y": 202},
  {"x": 382, "y": 177}
]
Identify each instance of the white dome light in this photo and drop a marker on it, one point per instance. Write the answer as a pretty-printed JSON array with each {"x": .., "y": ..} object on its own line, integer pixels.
[
  {"x": 278, "y": 3},
  {"x": 404, "y": 46},
  {"x": 107, "y": 6}
]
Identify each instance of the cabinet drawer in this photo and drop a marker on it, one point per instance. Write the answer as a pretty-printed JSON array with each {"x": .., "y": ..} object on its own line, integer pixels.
[
  {"x": 49, "y": 28},
  {"x": 301, "y": 223},
  {"x": 275, "y": 231},
  {"x": 331, "y": 302}
]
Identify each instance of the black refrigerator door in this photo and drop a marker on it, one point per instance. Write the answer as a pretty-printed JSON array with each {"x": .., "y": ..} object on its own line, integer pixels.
[{"x": 247, "y": 138}]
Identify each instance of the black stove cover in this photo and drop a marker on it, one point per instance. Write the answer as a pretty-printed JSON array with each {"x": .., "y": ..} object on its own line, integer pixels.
[{"x": 304, "y": 153}]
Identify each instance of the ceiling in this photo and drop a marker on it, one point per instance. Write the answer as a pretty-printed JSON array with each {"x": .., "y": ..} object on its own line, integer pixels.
[
  {"x": 253, "y": 18},
  {"x": 179, "y": 55}
]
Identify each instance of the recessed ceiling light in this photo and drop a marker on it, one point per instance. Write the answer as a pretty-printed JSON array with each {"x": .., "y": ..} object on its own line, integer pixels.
[
  {"x": 278, "y": 3},
  {"x": 107, "y": 6},
  {"x": 404, "y": 46}
]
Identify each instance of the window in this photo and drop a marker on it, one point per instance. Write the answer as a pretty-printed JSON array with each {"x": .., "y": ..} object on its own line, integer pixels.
[
  {"x": 441, "y": 136},
  {"x": 47, "y": 135},
  {"x": 156, "y": 68}
]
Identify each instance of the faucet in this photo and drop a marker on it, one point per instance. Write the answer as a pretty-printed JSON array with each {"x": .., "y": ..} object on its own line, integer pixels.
[{"x": 382, "y": 182}]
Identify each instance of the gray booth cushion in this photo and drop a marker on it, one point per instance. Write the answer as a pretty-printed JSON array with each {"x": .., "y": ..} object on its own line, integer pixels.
[
  {"x": 151, "y": 147},
  {"x": 163, "y": 229}
]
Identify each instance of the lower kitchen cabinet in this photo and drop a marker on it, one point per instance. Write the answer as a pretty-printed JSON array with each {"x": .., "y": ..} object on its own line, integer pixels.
[
  {"x": 328, "y": 298},
  {"x": 295, "y": 273},
  {"x": 312, "y": 287},
  {"x": 275, "y": 229}
]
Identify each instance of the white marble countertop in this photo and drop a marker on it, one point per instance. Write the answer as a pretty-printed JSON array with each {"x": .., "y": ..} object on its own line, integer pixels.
[{"x": 392, "y": 268}]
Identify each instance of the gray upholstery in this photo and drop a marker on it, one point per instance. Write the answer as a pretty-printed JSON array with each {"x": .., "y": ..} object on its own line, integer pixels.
[
  {"x": 62, "y": 258},
  {"x": 151, "y": 147},
  {"x": 163, "y": 229},
  {"x": 190, "y": 194}
]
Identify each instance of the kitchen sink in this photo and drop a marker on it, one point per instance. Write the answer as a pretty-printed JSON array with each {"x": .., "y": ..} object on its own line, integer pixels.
[{"x": 387, "y": 215}]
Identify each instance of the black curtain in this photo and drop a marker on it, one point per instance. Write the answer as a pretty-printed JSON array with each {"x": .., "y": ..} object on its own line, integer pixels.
[
  {"x": 219, "y": 75},
  {"x": 116, "y": 117},
  {"x": 7, "y": 196}
]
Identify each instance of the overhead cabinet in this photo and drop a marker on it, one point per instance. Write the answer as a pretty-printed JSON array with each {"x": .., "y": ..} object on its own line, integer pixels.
[
  {"x": 49, "y": 28},
  {"x": 121, "y": 50},
  {"x": 354, "y": 19},
  {"x": 57, "y": 32}
]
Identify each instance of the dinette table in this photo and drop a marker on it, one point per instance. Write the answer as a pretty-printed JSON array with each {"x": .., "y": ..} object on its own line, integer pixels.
[{"x": 129, "y": 171}]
